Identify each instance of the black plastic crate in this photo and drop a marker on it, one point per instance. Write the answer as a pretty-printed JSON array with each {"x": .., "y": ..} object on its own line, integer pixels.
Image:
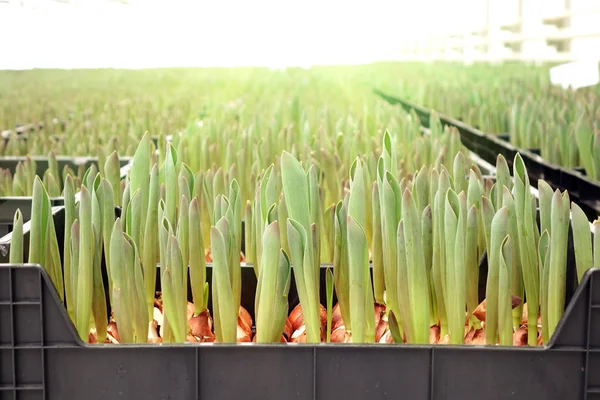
[
  {"x": 583, "y": 190},
  {"x": 10, "y": 162},
  {"x": 41, "y": 356}
]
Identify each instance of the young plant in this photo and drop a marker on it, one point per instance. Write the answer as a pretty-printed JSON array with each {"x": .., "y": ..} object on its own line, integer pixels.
[
  {"x": 341, "y": 266},
  {"x": 505, "y": 317},
  {"x": 416, "y": 277},
  {"x": 391, "y": 206},
  {"x": 231, "y": 321},
  {"x": 377, "y": 246},
  {"x": 527, "y": 228},
  {"x": 16, "y": 243},
  {"x": 492, "y": 297},
  {"x": 68, "y": 264},
  {"x": 582, "y": 241},
  {"x": 455, "y": 237},
  {"x": 99, "y": 298},
  {"x": 128, "y": 297},
  {"x": 273, "y": 285},
  {"x": 173, "y": 291},
  {"x": 197, "y": 259},
  {"x": 150, "y": 248},
  {"x": 43, "y": 244},
  {"x": 361, "y": 292},
  {"x": 303, "y": 239},
  {"x": 83, "y": 286},
  {"x": 225, "y": 313},
  {"x": 558, "y": 259}
]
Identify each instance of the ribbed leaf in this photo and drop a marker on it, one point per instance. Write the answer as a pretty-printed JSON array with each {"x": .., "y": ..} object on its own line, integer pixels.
[
  {"x": 197, "y": 258},
  {"x": 544, "y": 262},
  {"x": 471, "y": 261},
  {"x": 545, "y": 206},
  {"x": 505, "y": 324},
  {"x": 268, "y": 328},
  {"x": 177, "y": 307},
  {"x": 498, "y": 233},
  {"x": 377, "y": 253},
  {"x": 249, "y": 233},
  {"x": 302, "y": 263},
  {"x": 418, "y": 282},
  {"x": 108, "y": 219},
  {"x": 558, "y": 259},
  {"x": 121, "y": 295},
  {"x": 389, "y": 224},
  {"x": 16, "y": 242},
  {"x": 39, "y": 219},
  {"x": 53, "y": 255},
  {"x": 74, "y": 253},
  {"x": 235, "y": 204},
  {"x": 358, "y": 261},
  {"x": 138, "y": 179},
  {"x": 125, "y": 207},
  {"x": 329, "y": 289},
  {"x": 113, "y": 175},
  {"x": 438, "y": 260},
  {"x": 402, "y": 286},
  {"x": 172, "y": 191},
  {"x": 452, "y": 220},
  {"x": 458, "y": 173},
  {"x": 515, "y": 263},
  {"x": 341, "y": 272},
  {"x": 150, "y": 252},
  {"x": 502, "y": 179},
  {"x": 85, "y": 268},
  {"x": 295, "y": 187},
  {"x": 53, "y": 169},
  {"x": 581, "y": 241},
  {"x": 316, "y": 221},
  {"x": 527, "y": 244},
  {"x": 225, "y": 315},
  {"x": 99, "y": 297},
  {"x": 182, "y": 233}
]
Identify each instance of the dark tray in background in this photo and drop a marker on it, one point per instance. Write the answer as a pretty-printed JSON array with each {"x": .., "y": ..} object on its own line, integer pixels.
[
  {"x": 23, "y": 132},
  {"x": 10, "y": 162},
  {"x": 36, "y": 126},
  {"x": 583, "y": 190},
  {"x": 22, "y": 129},
  {"x": 9, "y": 205}
]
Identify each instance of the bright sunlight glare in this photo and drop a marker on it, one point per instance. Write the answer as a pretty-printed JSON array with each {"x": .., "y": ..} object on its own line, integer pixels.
[{"x": 166, "y": 33}]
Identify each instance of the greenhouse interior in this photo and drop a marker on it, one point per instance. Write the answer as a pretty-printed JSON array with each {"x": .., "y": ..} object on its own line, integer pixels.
[{"x": 299, "y": 200}]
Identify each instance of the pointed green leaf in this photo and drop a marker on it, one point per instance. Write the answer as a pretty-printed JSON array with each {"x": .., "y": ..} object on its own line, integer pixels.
[{"x": 581, "y": 241}]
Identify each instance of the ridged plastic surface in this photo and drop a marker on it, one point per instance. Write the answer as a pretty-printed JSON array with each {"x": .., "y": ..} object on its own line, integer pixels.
[
  {"x": 41, "y": 358},
  {"x": 583, "y": 190},
  {"x": 9, "y": 205},
  {"x": 41, "y": 162}
]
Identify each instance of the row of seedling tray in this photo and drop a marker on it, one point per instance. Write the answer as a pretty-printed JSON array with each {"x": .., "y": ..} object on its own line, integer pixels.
[
  {"x": 582, "y": 188},
  {"x": 433, "y": 283},
  {"x": 32, "y": 140}
]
